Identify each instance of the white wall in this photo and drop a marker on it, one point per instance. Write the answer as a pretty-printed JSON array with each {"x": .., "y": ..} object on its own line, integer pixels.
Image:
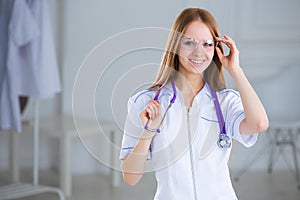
[
  {"x": 87, "y": 23},
  {"x": 266, "y": 32}
]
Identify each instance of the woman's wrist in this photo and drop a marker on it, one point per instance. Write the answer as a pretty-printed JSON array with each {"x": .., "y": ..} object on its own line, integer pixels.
[
  {"x": 156, "y": 130},
  {"x": 236, "y": 72},
  {"x": 147, "y": 135},
  {"x": 152, "y": 126}
]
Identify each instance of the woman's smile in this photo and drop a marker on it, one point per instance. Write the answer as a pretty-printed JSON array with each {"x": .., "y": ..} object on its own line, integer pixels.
[{"x": 197, "y": 62}]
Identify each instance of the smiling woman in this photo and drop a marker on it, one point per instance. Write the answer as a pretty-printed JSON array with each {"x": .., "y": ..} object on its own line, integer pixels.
[
  {"x": 195, "y": 58},
  {"x": 178, "y": 123},
  {"x": 197, "y": 28}
]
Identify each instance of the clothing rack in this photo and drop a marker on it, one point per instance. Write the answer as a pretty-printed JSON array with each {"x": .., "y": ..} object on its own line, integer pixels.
[{"x": 18, "y": 190}]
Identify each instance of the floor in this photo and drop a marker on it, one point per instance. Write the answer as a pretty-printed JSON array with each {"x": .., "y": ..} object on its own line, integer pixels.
[{"x": 253, "y": 185}]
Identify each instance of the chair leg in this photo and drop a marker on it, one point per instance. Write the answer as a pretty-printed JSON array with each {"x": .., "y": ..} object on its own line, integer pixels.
[
  {"x": 14, "y": 158},
  {"x": 65, "y": 170},
  {"x": 295, "y": 159},
  {"x": 273, "y": 151}
]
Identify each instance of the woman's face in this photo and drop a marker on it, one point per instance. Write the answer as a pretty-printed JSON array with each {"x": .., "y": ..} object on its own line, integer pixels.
[{"x": 196, "y": 49}]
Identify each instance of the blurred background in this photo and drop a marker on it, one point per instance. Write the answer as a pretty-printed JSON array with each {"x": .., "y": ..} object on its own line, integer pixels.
[{"x": 85, "y": 165}]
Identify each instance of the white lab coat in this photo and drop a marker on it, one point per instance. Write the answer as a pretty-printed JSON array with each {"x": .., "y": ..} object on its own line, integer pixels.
[
  {"x": 187, "y": 162},
  {"x": 32, "y": 68},
  {"x": 5, "y": 114}
]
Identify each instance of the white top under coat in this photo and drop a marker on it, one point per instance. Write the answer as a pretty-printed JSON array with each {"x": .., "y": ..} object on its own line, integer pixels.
[{"x": 171, "y": 149}]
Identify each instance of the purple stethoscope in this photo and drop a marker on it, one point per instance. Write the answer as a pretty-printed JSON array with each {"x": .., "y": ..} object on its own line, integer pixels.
[{"x": 224, "y": 140}]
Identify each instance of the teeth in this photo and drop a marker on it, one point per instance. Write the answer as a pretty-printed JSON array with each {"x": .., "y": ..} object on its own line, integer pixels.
[{"x": 196, "y": 61}]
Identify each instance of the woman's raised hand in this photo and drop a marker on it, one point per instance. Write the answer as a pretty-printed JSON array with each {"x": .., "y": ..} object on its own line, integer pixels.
[{"x": 231, "y": 61}]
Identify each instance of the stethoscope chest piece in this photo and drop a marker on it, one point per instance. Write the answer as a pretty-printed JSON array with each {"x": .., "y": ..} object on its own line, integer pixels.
[{"x": 224, "y": 141}]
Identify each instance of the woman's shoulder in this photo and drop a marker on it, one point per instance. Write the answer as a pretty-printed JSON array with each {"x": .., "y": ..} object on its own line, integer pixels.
[
  {"x": 144, "y": 96},
  {"x": 229, "y": 93},
  {"x": 148, "y": 94},
  {"x": 141, "y": 96}
]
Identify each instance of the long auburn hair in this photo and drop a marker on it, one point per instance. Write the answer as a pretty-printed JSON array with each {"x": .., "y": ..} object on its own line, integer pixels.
[{"x": 170, "y": 61}]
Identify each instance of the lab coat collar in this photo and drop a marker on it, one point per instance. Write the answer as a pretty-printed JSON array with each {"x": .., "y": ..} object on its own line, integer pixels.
[{"x": 204, "y": 91}]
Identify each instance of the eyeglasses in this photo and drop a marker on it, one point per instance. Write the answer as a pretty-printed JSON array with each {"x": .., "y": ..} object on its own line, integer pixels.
[{"x": 191, "y": 44}]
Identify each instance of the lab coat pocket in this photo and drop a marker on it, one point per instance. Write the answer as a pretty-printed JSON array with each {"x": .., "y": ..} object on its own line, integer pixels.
[{"x": 210, "y": 134}]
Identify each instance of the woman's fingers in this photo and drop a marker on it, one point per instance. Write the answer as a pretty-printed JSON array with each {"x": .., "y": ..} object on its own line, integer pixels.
[
  {"x": 228, "y": 41},
  {"x": 228, "y": 38},
  {"x": 152, "y": 112},
  {"x": 231, "y": 60},
  {"x": 153, "y": 109}
]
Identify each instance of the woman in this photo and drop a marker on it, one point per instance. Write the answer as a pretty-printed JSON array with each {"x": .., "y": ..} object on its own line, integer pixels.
[{"x": 188, "y": 161}]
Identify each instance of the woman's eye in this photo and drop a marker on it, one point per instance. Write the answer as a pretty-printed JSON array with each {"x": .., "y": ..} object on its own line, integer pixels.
[
  {"x": 189, "y": 43},
  {"x": 208, "y": 43}
]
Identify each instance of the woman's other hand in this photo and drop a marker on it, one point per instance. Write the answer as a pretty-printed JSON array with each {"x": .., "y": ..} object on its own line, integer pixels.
[
  {"x": 231, "y": 61},
  {"x": 152, "y": 112}
]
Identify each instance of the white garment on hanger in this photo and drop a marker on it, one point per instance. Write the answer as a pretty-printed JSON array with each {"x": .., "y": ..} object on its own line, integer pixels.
[
  {"x": 32, "y": 68},
  {"x": 6, "y": 113},
  {"x": 31, "y": 54}
]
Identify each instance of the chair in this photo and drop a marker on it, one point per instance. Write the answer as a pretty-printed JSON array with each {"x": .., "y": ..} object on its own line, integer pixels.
[
  {"x": 62, "y": 128},
  {"x": 285, "y": 134},
  {"x": 18, "y": 190}
]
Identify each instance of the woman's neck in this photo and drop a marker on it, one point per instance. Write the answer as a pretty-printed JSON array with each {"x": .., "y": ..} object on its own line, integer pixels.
[
  {"x": 190, "y": 84},
  {"x": 189, "y": 88}
]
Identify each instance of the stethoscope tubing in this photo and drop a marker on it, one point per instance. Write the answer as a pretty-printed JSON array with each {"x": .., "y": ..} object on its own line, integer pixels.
[
  {"x": 223, "y": 142},
  {"x": 165, "y": 114}
]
